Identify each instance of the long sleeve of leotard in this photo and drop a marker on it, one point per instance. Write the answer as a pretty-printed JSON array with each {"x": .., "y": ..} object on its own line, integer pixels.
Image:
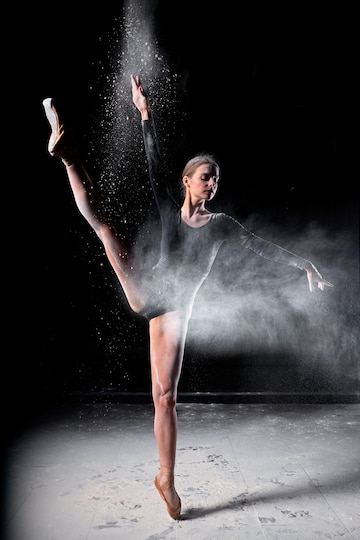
[
  {"x": 273, "y": 252},
  {"x": 264, "y": 248},
  {"x": 155, "y": 164}
]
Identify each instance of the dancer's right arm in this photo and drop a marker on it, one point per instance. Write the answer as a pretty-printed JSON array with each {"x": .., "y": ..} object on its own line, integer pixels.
[
  {"x": 153, "y": 154},
  {"x": 141, "y": 102},
  {"x": 140, "y": 98}
]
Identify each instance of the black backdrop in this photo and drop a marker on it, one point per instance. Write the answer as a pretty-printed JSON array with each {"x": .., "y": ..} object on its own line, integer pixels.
[{"x": 273, "y": 94}]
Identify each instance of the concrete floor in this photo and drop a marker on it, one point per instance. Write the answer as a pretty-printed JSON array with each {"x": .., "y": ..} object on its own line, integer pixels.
[{"x": 244, "y": 471}]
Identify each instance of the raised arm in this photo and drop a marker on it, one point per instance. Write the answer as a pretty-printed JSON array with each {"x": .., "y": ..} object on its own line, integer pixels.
[
  {"x": 153, "y": 154},
  {"x": 140, "y": 98}
]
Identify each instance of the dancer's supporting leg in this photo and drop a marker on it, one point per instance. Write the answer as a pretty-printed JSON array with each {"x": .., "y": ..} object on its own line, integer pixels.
[{"x": 167, "y": 342}]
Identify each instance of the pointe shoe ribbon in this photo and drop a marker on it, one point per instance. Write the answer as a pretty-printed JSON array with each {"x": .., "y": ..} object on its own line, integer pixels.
[{"x": 173, "y": 512}]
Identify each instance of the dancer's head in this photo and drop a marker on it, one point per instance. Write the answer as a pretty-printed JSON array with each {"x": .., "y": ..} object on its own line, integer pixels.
[{"x": 201, "y": 175}]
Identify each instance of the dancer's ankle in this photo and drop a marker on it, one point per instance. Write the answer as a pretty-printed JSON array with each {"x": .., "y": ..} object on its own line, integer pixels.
[
  {"x": 167, "y": 470},
  {"x": 166, "y": 477},
  {"x": 69, "y": 160}
]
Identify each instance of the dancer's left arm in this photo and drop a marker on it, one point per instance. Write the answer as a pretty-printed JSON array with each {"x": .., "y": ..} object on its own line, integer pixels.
[
  {"x": 274, "y": 252},
  {"x": 314, "y": 276}
]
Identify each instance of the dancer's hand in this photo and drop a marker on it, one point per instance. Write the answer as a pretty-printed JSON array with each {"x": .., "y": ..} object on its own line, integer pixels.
[
  {"x": 139, "y": 97},
  {"x": 314, "y": 276}
]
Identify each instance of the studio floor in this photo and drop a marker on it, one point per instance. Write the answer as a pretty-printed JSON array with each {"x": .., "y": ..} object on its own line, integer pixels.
[{"x": 244, "y": 471}]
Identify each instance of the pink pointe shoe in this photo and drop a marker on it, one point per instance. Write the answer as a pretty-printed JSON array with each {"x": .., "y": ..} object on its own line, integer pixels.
[{"x": 61, "y": 143}]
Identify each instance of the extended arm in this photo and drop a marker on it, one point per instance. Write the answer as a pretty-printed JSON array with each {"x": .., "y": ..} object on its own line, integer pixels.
[
  {"x": 273, "y": 252},
  {"x": 314, "y": 276}
]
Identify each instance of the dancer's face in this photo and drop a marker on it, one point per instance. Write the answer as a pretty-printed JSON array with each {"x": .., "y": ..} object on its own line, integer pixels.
[{"x": 203, "y": 183}]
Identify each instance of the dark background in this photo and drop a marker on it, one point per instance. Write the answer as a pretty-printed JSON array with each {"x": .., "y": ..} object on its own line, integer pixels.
[{"x": 273, "y": 93}]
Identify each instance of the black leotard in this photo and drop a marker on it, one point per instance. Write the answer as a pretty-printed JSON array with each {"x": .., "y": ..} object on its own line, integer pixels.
[{"x": 188, "y": 253}]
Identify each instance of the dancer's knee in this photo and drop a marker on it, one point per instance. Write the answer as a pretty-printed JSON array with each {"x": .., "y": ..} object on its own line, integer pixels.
[{"x": 165, "y": 399}]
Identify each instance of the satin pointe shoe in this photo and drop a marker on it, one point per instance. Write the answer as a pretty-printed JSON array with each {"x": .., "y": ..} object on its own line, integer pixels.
[
  {"x": 61, "y": 142},
  {"x": 174, "y": 512}
]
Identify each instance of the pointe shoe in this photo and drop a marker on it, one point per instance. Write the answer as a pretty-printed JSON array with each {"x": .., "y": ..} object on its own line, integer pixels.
[
  {"x": 61, "y": 142},
  {"x": 174, "y": 512}
]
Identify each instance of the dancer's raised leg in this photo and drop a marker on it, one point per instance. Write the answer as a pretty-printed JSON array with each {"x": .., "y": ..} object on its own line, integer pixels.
[{"x": 88, "y": 200}]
